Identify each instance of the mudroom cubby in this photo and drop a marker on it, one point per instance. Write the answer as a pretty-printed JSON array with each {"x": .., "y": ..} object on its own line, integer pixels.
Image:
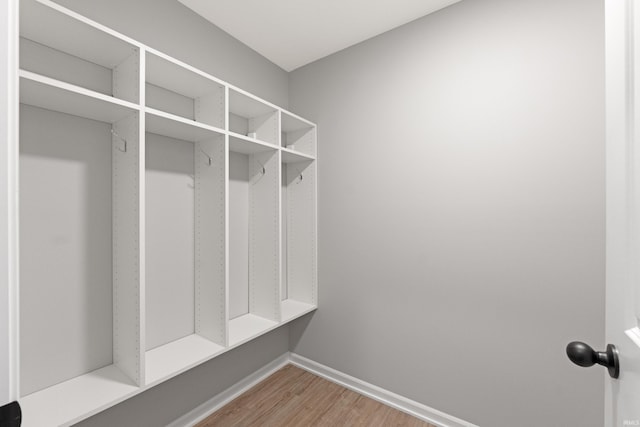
[
  {"x": 179, "y": 89},
  {"x": 251, "y": 117},
  {"x": 299, "y": 236},
  {"x": 79, "y": 238},
  {"x": 184, "y": 246},
  {"x": 254, "y": 274},
  {"x": 58, "y": 46},
  {"x": 297, "y": 135},
  {"x": 163, "y": 218}
]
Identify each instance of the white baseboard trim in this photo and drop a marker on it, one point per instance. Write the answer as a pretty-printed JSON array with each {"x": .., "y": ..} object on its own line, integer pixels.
[
  {"x": 386, "y": 397},
  {"x": 210, "y": 406},
  {"x": 396, "y": 401}
]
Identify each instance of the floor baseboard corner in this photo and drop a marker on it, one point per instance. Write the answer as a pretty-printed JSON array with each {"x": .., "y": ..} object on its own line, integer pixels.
[
  {"x": 374, "y": 392},
  {"x": 210, "y": 406},
  {"x": 386, "y": 397}
]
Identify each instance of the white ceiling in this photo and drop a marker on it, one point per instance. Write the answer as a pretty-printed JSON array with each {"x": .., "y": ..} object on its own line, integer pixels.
[{"x": 292, "y": 33}]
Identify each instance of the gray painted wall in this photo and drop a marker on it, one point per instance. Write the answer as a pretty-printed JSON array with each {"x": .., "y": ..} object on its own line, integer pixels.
[
  {"x": 174, "y": 29},
  {"x": 461, "y": 210}
]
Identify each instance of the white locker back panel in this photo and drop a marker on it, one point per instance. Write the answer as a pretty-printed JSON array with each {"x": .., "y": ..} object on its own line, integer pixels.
[
  {"x": 239, "y": 235},
  {"x": 66, "y": 279},
  {"x": 170, "y": 218},
  {"x": 264, "y": 235},
  {"x": 301, "y": 231},
  {"x": 210, "y": 240}
]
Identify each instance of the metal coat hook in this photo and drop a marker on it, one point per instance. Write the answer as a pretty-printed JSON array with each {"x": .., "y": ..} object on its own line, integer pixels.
[
  {"x": 262, "y": 173},
  {"x": 114, "y": 133},
  {"x": 209, "y": 158}
]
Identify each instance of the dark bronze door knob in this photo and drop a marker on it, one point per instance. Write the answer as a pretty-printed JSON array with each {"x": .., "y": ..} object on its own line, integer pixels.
[{"x": 583, "y": 355}]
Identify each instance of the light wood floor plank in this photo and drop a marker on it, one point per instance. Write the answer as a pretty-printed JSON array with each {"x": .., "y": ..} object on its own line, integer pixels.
[{"x": 293, "y": 397}]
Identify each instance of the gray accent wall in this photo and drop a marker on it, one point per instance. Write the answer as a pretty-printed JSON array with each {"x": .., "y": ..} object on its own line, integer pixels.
[{"x": 461, "y": 210}]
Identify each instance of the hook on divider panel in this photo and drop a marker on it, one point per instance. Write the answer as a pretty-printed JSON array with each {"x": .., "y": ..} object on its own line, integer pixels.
[
  {"x": 209, "y": 158},
  {"x": 114, "y": 133}
]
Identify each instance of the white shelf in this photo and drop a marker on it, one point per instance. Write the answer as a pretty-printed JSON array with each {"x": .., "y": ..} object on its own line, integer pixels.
[
  {"x": 292, "y": 309},
  {"x": 178, "y": 356},
  {"x": 51, "y": 25},
  {"x": 248, "y": 326},
  {"x": 170, "y": 74},
  {"x": 177, "y": 127},
  {"x": 247, "y": 106},
  {"x": 292, "y": 123},
  {"x": 71, "y": 401},
  {"x": 245, "y": 145},
  {"x": 291, "y": 156},
  {"x": 295, "y": 131},
  {"x": 51, "y": 94}
]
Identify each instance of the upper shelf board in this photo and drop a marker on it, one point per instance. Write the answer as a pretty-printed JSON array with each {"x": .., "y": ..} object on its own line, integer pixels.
[
  {"x": 162, "y": 123},
  {"x": 49, "y": 26},
  {"x": 168, "y": 73},
  {"x": 290, "y": 156},
  {"x": 291, "y": 123},
  {"x": 246, "y": 106},
  {"x": 245, "y": 145},
  {"x": 51, "y": 94}
]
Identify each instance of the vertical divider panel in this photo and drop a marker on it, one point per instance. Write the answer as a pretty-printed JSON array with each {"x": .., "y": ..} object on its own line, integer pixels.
[
  {"x": 264, "y": 234},
  {"x": 142, "y": 215},
  {"x": 227, "y": 152},
  {"x": 314, "y": 230},
  {"x": 127, "y": 155},
  {"x": 301, "y": 231},
  {"x": 284, "y": 241},
  {"x": 210, "y": 248},
  {"x": 126, "y": 78},
  {"x": 282, "y": 200}
]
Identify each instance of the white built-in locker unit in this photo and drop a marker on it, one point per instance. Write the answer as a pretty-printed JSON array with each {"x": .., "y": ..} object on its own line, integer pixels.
[{"x": 165, "y": 216}]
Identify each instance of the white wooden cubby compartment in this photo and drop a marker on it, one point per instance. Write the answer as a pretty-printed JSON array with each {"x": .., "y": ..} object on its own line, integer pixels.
[
  {"x": 185, "y": 246},
  {"x": 299, "y": 237},
  {"x": 248, "y": 115},
  {"x": 254, "y": 274},
  {"x": 176, "y": 88},
  {"x": 79, "y": 289},
  {"x": 298, "y": 136},
  {"x": 155, "y": 233},
  {"x": 77, "y": 52}
]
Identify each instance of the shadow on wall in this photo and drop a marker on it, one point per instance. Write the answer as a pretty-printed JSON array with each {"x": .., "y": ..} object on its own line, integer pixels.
[{"x": 297, "y": 329}]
